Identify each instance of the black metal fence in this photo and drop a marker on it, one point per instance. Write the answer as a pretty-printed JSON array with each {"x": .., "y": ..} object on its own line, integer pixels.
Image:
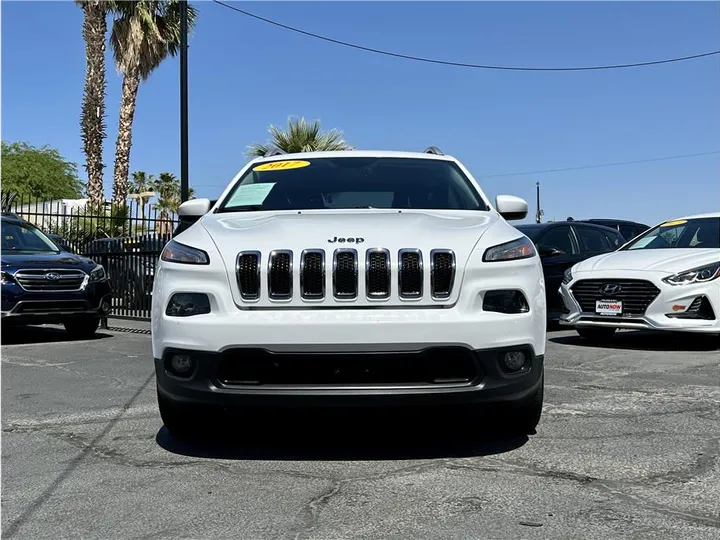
[{"x": 126, "y": 240}]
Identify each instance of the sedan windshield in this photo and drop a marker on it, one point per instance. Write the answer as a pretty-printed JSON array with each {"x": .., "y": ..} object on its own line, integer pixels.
[
  {"x": 354, "y": 182},
  {"x": 18, "y": 237},
  {"x": 681, "y": 233}
]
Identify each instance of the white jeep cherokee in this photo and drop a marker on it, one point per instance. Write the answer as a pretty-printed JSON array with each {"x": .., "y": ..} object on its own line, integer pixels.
[{"x": 350, "y": 278}]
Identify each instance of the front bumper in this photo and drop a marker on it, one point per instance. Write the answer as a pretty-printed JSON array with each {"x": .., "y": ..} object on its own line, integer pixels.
[
  {"x": 664, "y": 313},
  {"x": 208, "y": 383},
  {"x": 23, "y": 307}
]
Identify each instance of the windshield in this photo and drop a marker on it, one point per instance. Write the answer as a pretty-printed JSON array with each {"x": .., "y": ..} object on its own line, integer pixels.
[
  {"x": 531, "y": 231},
  {"x": 25, "y": 238},
  {"x": 354, "y": 182},
  {"x": 681, "y": 233}
]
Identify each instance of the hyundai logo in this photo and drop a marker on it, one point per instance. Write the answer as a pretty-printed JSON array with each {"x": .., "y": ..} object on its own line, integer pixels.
[
  {"x": 52, "y": 276},
  {"x": 610, "y": 288}
]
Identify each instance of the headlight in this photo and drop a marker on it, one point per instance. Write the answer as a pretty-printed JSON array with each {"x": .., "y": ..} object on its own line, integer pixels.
[
  {"x": 703, "y": 274},
  {"x": 6, "y": 278},
  {"x": 567, "y": 276},
  {"x": 97, "y": 274},
  {"x": 180, "y": 253},
  {"x": 522, "y": 248}
]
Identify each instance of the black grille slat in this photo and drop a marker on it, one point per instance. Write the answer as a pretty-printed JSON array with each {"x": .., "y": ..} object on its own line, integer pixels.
[
  {"x": 439, "y": 365},
  {"x": 442, "y": 273},
  {"x": 377, "y": 273},
  {"x": 636, "y": 295},
  {"x": 410, "y": 275},
  {"x": 248, "y": 275},
  {"x": 53, "y": 306},
  {"x": 345, "y": 273},
  {"x": 312, "y": 274},
  {"x": 280, "y": 275}
]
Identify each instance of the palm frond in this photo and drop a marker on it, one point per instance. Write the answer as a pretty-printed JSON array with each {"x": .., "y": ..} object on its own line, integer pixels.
[{"x": 300, "y": 136}]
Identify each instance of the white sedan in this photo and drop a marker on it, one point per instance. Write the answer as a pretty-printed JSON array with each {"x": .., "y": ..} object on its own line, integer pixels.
[{"x": 665, "y": 279}]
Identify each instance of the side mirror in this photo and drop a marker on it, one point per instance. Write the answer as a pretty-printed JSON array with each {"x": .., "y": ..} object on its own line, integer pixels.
[
  {"x": 190, "y": 211},
  {"x": 544, "y": 251},
  {"x": 511, "y": 207},
  {"x": 194, "y": 208}
]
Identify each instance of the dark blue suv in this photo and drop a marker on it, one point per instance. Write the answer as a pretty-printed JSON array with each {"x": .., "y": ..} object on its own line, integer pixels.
[{"x": 44, "y": 284}]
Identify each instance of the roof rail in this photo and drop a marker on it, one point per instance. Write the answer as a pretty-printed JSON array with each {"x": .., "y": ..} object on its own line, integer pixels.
[
  {"x": 433, "y": 150},
  {"x": 274, "y": 152}
]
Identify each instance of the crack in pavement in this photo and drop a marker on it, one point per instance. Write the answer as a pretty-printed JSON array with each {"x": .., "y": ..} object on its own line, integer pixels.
[{"x": 17, "y": 523}]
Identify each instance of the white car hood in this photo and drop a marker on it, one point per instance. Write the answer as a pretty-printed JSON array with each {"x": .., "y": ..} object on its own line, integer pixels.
[
  {"x": 668, "y": 261},
  {"x": 376, "y": 228},
  {"x": 234, "y": 232}
]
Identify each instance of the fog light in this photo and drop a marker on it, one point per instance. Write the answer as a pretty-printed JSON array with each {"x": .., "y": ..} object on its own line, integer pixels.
[
  {"x": 105, "y": 307},
  {"x": 514, "y": 360},
  {"x": 505, "y": 301},
  {"x": 187, "y": 304},
  {"x": 181, "y": 363}
]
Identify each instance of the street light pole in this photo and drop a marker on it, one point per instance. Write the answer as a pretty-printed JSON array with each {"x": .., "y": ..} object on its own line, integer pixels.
[
  {"x": 539, "y": 213},
  {"x": 184, "y": 181}
]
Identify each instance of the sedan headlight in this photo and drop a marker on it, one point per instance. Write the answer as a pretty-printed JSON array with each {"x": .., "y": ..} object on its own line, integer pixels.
[
  {"x": 97, "y": 274},
  {"x": 180, "y": 253},
  {"x": 567, "y": 276},
  {"x": 522, "y": 248},
  {"x": 702, "y": 274},
  {"x": 6, "y": 278}
]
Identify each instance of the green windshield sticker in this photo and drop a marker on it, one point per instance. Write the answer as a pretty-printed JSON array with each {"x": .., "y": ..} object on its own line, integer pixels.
[{"x": 250, "y": 194}]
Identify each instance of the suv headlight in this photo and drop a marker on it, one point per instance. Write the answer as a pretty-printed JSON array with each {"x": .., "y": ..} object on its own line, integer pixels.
[
  {"x": 567, "y": 276},
  {"x": 522, "y": 248},
  {"x": 6, "y": 278},
  {"x": 180, "y": 253},
  {"x": 702, "y": 274},
  {"x": 97, "y": 274}
]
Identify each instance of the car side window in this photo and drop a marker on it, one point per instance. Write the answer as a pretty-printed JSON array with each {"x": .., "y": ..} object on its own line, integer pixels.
[
  {"x": 628, "y": 231},
  {"x": 593, "y": 240},
  {"x": 614, "y": 239},
  {"x": 558, "y": 238}
]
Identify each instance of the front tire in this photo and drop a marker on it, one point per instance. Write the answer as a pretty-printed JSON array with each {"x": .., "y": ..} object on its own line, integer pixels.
[
  {"x": 597, "y": 335},
  {"x": 82, "y": 328}
]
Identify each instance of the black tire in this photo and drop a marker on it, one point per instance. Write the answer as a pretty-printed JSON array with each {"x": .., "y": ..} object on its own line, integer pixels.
[
  {"x": 82, "y": 328},
  {"x": 181, "y": 420},
  {"x": 597, "y": 334},
  {"x": 523, "y": 418}
]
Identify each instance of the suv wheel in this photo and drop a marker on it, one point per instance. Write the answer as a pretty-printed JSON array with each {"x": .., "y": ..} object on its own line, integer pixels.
[
  {"x": 82, "y": 328},
  {"x": 596, "y": 334}
]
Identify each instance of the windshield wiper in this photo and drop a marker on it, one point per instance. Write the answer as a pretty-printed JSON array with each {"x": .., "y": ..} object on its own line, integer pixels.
[{"x": 243, "y": 208}]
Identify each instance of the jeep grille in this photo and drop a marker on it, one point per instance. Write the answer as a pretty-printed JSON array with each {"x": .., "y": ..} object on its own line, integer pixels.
[{"x": 381, "y": 270}]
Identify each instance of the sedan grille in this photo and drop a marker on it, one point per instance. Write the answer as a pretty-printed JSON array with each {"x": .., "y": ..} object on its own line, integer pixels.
[
  {"x": 378, "y": 267},
  {"x": 635, "y": 294},
  {"x": 51, "y": 280}
]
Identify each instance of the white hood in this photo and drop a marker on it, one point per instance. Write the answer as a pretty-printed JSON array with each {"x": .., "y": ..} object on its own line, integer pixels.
[
  {"x": 666, "y": 261},
  {"x": 369, "y": 228}
]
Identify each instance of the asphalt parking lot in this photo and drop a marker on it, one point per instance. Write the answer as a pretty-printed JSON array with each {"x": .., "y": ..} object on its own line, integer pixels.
[{"x": 627, "y": 448}]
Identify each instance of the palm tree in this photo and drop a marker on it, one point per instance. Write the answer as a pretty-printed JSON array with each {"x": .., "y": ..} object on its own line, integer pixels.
[
  {"x": 144, "y": 33},
  {"x": 92, "y": 119},
  {"x": 167, "y": 189},
  {"x": 300, "y": 136},
  {"x": 142, "y": 191}
]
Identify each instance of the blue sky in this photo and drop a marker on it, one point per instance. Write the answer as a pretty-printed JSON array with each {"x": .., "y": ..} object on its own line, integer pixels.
[{"x": 246, "y": 74}]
